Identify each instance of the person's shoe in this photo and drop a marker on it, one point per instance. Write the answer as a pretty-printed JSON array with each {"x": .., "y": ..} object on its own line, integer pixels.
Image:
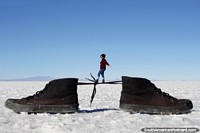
[
  {"x": 59, "y": 96},
  {"x": 103, "y": 81},
  {"x": 139, "y": 95}
]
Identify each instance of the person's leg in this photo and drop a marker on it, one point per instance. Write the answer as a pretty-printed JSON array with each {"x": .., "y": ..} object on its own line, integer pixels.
[
  {"x": 103, "y": 81},
  {"x": 101, "y": 73}
]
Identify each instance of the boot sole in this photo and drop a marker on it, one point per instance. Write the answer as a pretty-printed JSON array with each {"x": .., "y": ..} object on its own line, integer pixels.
[
  {"x": 148, "y": 109},
  {"x": 10, "y": 104}
]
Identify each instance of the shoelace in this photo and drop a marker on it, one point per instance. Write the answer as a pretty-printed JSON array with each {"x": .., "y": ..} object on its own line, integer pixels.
[
  {"x": 38, "y": 93},
  {"x": 163, "y": 94},
  {"x": 95, "y": 82}
]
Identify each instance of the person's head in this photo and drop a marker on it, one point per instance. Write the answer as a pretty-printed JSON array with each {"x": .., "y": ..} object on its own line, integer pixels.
[{"x": 103, "y": 55}]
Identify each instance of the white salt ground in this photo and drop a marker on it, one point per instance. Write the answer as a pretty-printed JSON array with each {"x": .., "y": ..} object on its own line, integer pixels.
[{"x": 103, "y": 117}]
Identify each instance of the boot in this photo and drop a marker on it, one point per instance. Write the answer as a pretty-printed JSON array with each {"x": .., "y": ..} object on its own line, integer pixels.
[
  {"x": 58, "y": 96},
  {"x": 139, "y": 95}
]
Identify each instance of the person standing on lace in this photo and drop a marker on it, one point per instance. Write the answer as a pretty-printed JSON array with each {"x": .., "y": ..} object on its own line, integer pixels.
[{"x": 103, "y": 65}]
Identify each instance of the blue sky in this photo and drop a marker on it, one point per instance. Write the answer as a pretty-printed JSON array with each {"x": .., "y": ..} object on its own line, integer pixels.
[{"x": 154, "y": 39}]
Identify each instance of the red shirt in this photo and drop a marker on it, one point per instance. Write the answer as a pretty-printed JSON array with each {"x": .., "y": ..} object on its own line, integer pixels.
[{"x": 103, "y": 64}]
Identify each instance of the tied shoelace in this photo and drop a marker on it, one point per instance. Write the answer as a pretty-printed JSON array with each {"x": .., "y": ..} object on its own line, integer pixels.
[{"x": 95, "y": 82}]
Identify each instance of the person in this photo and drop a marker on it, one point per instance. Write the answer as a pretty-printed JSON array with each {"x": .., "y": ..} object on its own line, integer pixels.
[{"x": 103, "y": 64}]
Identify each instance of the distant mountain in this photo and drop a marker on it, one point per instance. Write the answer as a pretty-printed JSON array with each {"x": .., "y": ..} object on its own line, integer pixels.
[{"x": 37, "y": 78}]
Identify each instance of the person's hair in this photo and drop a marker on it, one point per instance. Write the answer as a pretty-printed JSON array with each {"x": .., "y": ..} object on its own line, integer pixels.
[{"x": 103, "y": 55}]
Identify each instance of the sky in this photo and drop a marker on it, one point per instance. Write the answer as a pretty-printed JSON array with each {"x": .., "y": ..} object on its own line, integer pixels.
[{"x": 153, "y": 39}]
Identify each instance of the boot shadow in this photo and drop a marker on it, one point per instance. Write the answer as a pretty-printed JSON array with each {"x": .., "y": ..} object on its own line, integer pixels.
[
  {"x": 97, "y": 110},
  {"x": 79, "y": 111}
]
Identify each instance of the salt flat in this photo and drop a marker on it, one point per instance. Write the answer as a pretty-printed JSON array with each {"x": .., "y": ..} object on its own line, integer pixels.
[{"x": 103, "y": 116}]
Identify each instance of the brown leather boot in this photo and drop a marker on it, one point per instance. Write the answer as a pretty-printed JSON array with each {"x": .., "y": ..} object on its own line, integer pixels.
[
  {"x": 139, "y": 95},
  {"x": 58, "y": 96}
]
